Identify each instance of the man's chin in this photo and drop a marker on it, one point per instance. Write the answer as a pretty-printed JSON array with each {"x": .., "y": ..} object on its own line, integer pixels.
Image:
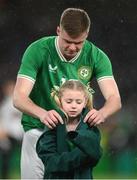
[{"x": 70, "y": 56}]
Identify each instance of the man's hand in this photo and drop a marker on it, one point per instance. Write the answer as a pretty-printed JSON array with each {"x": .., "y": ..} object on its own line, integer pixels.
[
  {"x": 51, "y": 119},
  {"x": 94, "y": 117},
  {"x": 110, "y": 92}
]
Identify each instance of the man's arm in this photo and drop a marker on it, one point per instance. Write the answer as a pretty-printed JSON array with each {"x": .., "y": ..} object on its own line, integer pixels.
[
  {"x": 22, "y": 102},
  {"x": 112, "y": 104}
]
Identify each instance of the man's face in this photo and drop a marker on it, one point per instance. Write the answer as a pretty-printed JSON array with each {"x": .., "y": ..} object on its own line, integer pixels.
[{"x": 69, "y": 46}]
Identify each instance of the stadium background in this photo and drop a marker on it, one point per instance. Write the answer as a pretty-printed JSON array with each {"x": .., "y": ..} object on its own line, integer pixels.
[{"x": 114, "y": 30}]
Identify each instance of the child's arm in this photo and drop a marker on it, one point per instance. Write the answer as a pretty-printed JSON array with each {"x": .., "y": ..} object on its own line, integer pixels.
[
  {"x": 59, "y": 162},
  {"x": 87, "y": 139}
]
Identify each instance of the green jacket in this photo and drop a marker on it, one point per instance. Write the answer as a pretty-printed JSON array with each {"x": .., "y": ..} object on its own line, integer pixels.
[{"x": 63, "y": 162}]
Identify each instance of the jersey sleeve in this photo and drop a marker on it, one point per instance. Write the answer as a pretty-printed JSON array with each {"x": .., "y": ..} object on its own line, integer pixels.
[
  {"x": 31, "y": 62},
  {"x": 103, "y": 67}
]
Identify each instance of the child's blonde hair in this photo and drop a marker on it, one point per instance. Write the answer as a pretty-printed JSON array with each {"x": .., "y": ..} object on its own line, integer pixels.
[{"x": 73, "y": 85}]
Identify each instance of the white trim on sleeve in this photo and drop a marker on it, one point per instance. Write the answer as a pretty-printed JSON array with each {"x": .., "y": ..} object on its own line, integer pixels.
[
  {"x": 105, "y": 78},
  {"x": 26, "y": 77}
]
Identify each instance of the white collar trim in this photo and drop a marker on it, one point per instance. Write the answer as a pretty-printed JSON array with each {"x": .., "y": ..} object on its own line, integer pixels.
[{"x": 61, "y": 55}]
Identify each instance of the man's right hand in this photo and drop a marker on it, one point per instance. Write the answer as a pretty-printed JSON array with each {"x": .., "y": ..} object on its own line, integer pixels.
[
  {"x": 22, "y": 90},
  {"x": 51, "y": 119}
]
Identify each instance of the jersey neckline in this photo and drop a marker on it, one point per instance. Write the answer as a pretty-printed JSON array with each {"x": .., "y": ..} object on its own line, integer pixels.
[{"x": 61, "y": 55}]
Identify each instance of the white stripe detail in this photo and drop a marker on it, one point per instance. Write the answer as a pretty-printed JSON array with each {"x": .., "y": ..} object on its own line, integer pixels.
[
  {"x": 26, "y": 77},
  {"x": 105, "y": 78},
  {"x": 61, "y": 55}
]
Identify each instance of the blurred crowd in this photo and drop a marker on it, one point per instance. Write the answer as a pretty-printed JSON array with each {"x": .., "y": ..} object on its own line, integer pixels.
[
  {"x": 119, "y": 140},
  {"x": 11, "y": 131}
]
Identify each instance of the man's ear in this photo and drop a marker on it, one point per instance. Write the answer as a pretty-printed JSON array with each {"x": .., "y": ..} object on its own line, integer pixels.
[{"x": 58, "y": 30}]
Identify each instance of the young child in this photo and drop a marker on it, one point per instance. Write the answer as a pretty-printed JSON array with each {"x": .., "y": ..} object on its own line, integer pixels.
[{"x": 71, "y": 150}]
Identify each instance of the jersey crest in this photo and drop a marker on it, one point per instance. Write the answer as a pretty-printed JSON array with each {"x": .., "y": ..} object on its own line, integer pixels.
[{"x": 84, "y": 72}]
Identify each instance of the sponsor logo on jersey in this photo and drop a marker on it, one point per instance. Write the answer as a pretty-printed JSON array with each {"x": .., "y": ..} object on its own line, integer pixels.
[
  {"x": 84, "y": 72},
  {"x": 52, "y": 69}
]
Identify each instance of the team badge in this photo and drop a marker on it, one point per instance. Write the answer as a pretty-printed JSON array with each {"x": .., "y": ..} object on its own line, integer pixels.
[{"x": 84, "y": 72}]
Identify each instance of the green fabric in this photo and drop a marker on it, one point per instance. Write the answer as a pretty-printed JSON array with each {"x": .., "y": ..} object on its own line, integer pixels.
[
  {"x": 43, "y": 64},
  {"x": 62, "y": 163}
]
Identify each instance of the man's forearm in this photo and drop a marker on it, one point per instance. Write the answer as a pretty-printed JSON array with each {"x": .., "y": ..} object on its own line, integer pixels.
[
  {"x": 27, "y": 106},
  {"x": 111, "y": 106}
]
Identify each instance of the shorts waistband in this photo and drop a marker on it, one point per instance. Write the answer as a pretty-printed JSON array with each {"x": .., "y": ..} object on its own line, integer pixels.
[{"x": 36, "y": 131}]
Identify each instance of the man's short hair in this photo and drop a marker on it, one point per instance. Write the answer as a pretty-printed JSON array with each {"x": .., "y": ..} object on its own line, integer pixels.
[{"x": 75, "y": 21}]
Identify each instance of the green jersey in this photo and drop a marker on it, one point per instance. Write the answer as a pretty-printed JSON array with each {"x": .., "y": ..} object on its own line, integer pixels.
[{"x": 44, "y": 65}]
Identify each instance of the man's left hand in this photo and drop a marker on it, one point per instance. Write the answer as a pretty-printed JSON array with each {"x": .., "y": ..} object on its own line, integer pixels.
[{"x": 94, "y": 117}]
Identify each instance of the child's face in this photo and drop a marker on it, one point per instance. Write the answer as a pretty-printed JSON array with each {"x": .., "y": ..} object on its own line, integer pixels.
[{"x": 73, "y": 102}]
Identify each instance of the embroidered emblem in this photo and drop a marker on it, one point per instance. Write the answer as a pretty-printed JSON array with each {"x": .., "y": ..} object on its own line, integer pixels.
[
  {"x": 84, "y": 72},
  {"x": 52, "y": 69}
]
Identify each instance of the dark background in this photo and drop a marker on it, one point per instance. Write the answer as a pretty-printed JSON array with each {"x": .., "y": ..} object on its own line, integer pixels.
[{"x": 113, "y": 29}]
